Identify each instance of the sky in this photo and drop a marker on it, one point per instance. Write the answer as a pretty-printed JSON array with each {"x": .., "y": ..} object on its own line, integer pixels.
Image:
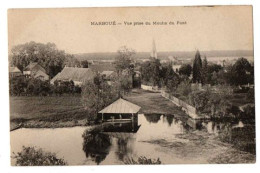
[{"x": 206, "y": 28}]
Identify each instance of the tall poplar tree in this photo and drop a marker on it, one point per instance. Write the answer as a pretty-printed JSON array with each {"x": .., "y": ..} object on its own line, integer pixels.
[
  {"x": 204, "y": 71},
  {"x": 197, "y": 68}
]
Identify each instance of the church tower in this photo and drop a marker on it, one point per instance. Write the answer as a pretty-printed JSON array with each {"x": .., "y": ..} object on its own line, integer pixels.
[{"x": 154, "y": 52}]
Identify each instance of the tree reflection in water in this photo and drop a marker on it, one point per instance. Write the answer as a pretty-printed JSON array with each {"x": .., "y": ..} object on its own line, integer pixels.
[
  {"x": 122, "y": 149},
  {"x": 169, "y": 119},
  {"x": 96, "y": 145},
  {"x": 152, "y": 118},
  {"x": 242, "y": 138}
]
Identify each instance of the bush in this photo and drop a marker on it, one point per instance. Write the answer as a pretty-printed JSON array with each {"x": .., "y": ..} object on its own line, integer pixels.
[
  {"x": 22, "y": 85},
  {"x": 142, "y": 160},
  {"x": 251, "y": 95},
  {"x": 184, "y": 88},
  {"x": 200, "y": 100},
  {"x": 30, "y": 156}
]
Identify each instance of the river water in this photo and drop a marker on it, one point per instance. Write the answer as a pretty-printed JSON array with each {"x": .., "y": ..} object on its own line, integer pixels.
[{"x": 170, "y": 139}]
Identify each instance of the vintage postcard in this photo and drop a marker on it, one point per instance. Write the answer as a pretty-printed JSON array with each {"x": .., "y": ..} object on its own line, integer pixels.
[{"x": 132, "y": 85}]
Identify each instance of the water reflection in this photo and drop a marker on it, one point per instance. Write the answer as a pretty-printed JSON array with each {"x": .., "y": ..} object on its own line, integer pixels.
[
  {"x": 97, "y": 141},
  {"x": 239, "y": 133},
  {"x": 152, "y": 135},
  {"x": 96, "y": 145},
  {"x": 153, "y": 118}
]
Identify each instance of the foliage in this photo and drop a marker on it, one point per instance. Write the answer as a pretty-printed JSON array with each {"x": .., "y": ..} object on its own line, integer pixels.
[
  {"x": 200, "y": 99},
  {"x": 124, "y": 59},
  {"x": 185, "y": 69},
  {"x": 18, "y": 85},
  {"x": 22, "y": 85},
  {"x": 152, "y": 118},
  {"x": 96, "y": 94},
  {"x": 122, "y": 84},
  {"x": 96, "y": 145},
  {"x": 31, "y": 156},
  {"x": 46, "y": 55},
  {"x": 184, "y": 88},
  {"x": 152, "y": 72},
  {"x": 125, "y": 70},
  {"x": 65, "y": 87},
  {"x": 84, "y": 64},
  {"x": 241, "y": 72},
  {"x": 142, "y": 160},
  {"x": 249, "y": 112},
  {"x": 214, "y": 68},
  {"x": 204, "y": 71},
  {"x": 251, "y": 94},
  {"x": 197, "y": 66},
  {"x": 171, "y": 79}
]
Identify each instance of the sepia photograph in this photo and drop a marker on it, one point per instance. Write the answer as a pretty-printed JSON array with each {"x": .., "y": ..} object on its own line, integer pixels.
[{"x": 131, "y": 85}]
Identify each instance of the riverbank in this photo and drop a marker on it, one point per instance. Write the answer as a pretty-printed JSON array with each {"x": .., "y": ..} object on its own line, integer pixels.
[
  {"x": 67, "y": 111},
  {"x": 47, "y": 112},
  {"x": 202, "y": 147}
]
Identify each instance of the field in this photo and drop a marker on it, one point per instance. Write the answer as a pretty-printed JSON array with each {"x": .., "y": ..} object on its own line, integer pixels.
[
  {"x": 153, "y": 103},
  {"x": 46, "y": 111},
  {"x": 67, "y": 111}
]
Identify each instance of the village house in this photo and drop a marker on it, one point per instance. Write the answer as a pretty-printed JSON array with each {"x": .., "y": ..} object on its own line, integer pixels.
[
  {"x": 36, "y": 71},
  {"x": 75, "y": 74},
  {"x": 14, "y": 71}
]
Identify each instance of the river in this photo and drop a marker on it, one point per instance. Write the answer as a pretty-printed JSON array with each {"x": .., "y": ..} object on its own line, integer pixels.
[{"x": 170, "y": 139}]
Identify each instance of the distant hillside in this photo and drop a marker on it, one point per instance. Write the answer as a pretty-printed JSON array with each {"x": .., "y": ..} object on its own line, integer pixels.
[{"x": 164, "y": 55}]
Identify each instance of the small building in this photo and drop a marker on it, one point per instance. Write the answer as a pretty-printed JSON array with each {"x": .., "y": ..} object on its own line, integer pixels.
[
  {"x": 176, "y": 68},
  {"x": 36, "y": 71},
  {"x": 108, "y": 75},
  {"x": 77, "y": 75},
  {"x": 120, "y": 110},
  {"x": 14, "y": 71}
]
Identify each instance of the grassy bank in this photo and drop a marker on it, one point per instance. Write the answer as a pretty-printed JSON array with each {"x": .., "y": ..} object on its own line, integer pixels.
[
  {"x": 52, "y": 112},
  {"x": 67, "y": 111}
]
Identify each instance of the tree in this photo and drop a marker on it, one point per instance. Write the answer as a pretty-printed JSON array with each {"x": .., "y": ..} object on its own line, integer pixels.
[
  {"x": 204, "y": 71},
  {"x": 124, "y": 59},
  {"x": 84, "y": 64},
  {"x": 96, "y": 94},
  {"x": 125, "y": 69},
  {"x": 46, "y": 55},
  {"x": 171, "y": 79},
  {"x": 32, "y": 156},
  {"x": 197, "y": 66},
  {"x": 185, "y": 69},
  {"x": 240, "y": 72}
]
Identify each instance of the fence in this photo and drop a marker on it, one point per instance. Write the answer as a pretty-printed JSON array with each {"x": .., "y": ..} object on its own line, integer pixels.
[
  {"x": 190, "y": 110},
  {"x": 150, "y": 88}
]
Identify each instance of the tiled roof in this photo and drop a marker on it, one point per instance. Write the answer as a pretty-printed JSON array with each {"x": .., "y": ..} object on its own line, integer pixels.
[
  {"x": 14, "y": 70},
  {"x": 102, "y": 67},
  {"x": 34, "y": 66},
  {"x": 107, "y": 73},
  {"x": 74, "y": 74},
  {"x": 121, "y": 106}
]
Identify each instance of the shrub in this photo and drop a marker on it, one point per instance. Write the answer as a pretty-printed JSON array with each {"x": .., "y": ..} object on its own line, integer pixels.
[
  {"x": 30, "y": 156},
  {"x": 200, "y": 99},
  {"x": 184, "y": 88},
  {"x": 251, "y": 95},
  {"x": 142, "y": 160}
]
